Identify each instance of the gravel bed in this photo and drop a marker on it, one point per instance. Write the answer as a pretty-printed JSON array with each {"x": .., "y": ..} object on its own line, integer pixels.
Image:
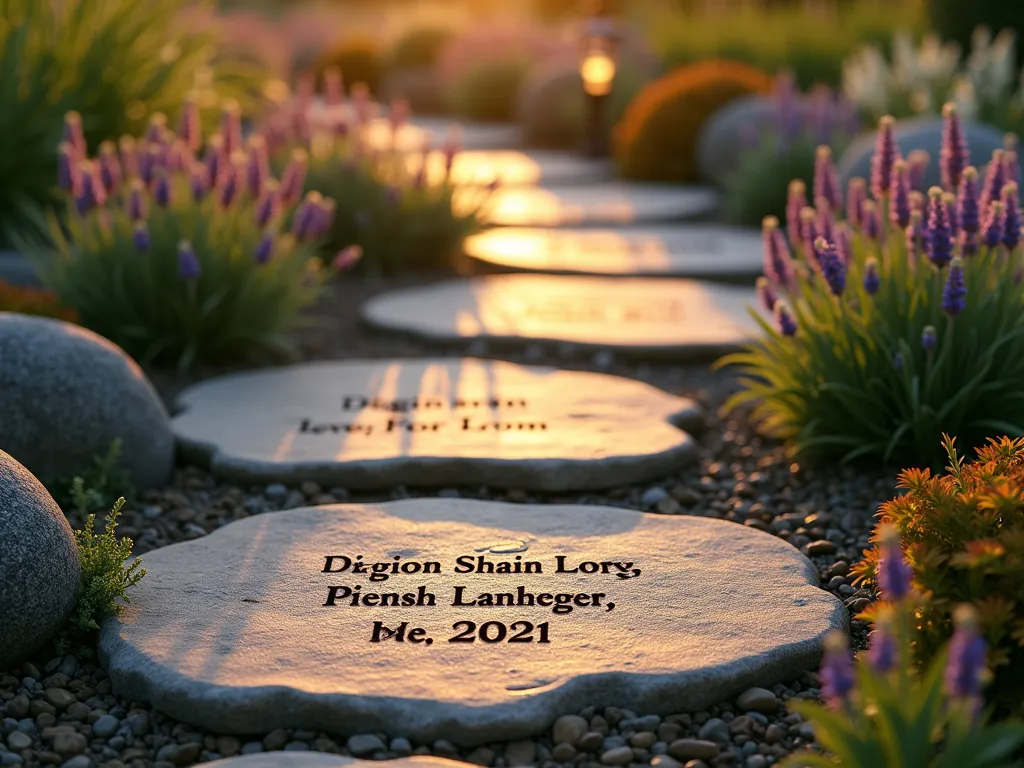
[{"x": 60, "y": 710}]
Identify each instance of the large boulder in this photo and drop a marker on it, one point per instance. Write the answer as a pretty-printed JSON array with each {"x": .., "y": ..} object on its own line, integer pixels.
[
  {"x": 919, "y": 133},
  {"x": 39, "y": 567},
  {"x": 66, "y": 394}
]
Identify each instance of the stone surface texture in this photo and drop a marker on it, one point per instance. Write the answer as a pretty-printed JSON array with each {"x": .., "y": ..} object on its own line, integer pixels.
[
  {"x": 230, "y": 630},
  {"x": 67, "y": 393},
  {"x": 325, "y": 760},
  {"x": 614, "y": 202},
  {"x": 452, "y": 421},
  {"x": 919, "y": 133},
  {"x": 39, "y": 565},
  {"x": 514, "y": 168},
  {"x": 649, "y": 316},
  {"x": 681, "y": 250}
]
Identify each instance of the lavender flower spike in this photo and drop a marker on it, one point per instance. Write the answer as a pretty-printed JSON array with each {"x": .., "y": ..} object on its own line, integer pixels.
[
  {"x": 883, "y": 651},
  {"x": 938, "y": 236},
  {"x": 837, "y": 677},
  {"x": 265, "y": 249},
  {"x": 832, "y": 267},
  {"x": 995, "y": 225},
  {"x": 886, "y": 153},
  {"x": 918, "y": 161},
  {"x": 293, "y": 180},
  {"x": 784, "y": 319},
  {"x": 856, "y": 194},
  {"x": 809, "y": 232},
  {"x": 304, "y": 221},
  {"x": 140, "y": 238},
  {"x": 893, "y": 574},
  {"x": 231, "y": 126},
  {"x": 766, "y": 294},
  {"x": 966, "y": 666},
  {"x": 967, "y": 210},
  {"x": 347, "y": 258},
  {"x": 189, "y": 129},
  {"x": 871, "y": 221},
  {"x": 188, "y": 262},
  {"x": 899, "y": 187},
  {"x": 955, "y": 155},
  {"x": 68, "y": 178},
  {"x": 995, "y": 178},
  {"x": 929, "y": 339},
  {"x": 872, "y": 281},
  {"x": 110, "y": 167},
  {"x": 162, "y": 189},
  {"x": 137, "y": 201},
  {"x": 1011, "y": 224},
  {"x": 796, "y": 201},
  {"x": 954, "y": 294},
  {"x": 826, "y": 180},
  {"x": 73, "y": 133},
  {"x": 915, "y": 234},
  {"x": 269, "y": 204}
]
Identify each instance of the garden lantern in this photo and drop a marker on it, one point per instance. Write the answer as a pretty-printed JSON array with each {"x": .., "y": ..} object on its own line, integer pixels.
[{"x": 599, "y": 45}]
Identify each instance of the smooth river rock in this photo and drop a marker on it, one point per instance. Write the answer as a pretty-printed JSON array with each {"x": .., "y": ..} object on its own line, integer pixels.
[
  {"x": 381, "y": 423},
  {"x": 613, "y": 202},
  {"x": 680, "y": 250},
  {"x": 242, "y": 631},
  {"x": 631, "y": 315}
]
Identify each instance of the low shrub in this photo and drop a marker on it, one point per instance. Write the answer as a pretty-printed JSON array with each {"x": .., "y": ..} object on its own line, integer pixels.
[
  {"x": 34, "y": 301},
  {"x": 488, "y": 90},
  {"x": 358, "y": 58},
  {"x": 419, "y": 47},
  {"x": 656, "y": 139},
  {"x": 882, "y": 711},
  {"x": 904, "y": 322},
  {"x": 784, "y": 151},
  {"x": 963, "y": 533},
  {"x": 953, "y": 20},
  {"x": 177, "y": 259},
  {"x": 401, "y": 216}
]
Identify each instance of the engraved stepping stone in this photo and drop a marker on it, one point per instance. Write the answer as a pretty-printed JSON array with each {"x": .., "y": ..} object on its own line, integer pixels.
[
  {"x": 381, "y": 423},
  {"x": 512, "y": 168},
  {"x": 493, "y": 618},
  {"x": 684, "y": 250},
  {"x": 324, "y": 760},
  {"x": 613, "y": 202},
  {"x": 631, "y": 315}
]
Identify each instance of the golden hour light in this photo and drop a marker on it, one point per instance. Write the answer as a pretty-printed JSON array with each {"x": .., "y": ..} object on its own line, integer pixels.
[{"x": 598, "y": 72}]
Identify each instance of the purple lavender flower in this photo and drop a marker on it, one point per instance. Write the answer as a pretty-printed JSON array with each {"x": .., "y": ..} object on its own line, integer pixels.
[
  {"x": 265, "y": 249},
  {"x": 872, "y": 281},
  {"x": 886, "y": 153},
  {"x": 179, "y": 156},
  {"x": 91, "y": 193},
  {"x": 162, "y": 190},
  {"x": 293, "y": 179},
  {"x": 883, "y": 651},
  {"x": 110, "y": 167},
  {"x": 938, "y": 236},
  {"x": 949, "y": 199},
  {"x": 995, "y": 225},
  {"x": 915, "y": 235},
  {"x": 897, "y": 362},
  {"x": 899, "y": 187},
  {"x": 188, "y": 262},
  {"x": 231, "y": 126},
  {"x": 157, "y": 131},
  {"x": 871, "y": 221},
  {"x": 129, "y": 156},
  {"x": 893, "y": 573},
  {"x": 199, "y": 181},
  {"x": 929, "y": 340},
  {"x": 766, "y": 294},
  {"x": 146, "y": 161},
  {"x": 189, "y": 129},
  {"x": 231, "y": 180},
  {"x": 1011, "y": 221},
  {"x": 140, "y": 238},
  {"x": 837, "y": 676},
  {"x": 784, "y": 319},
  {"x": 323, "y": 218},
  {"x": 796, "y": 201},
  {"x": 826, "y": 223},
  {"x": 995, "y": 178},
  {"x": 856, "y": 194},
  {"x": 347, "y": 258},
  {"x": 918, "y": 161},
  {"x": 966, "y": 665},
  {"x": 1011, "y": 164},
  {"x": 832, "y": 267},
  {"x": 216, "y": 159},
  {"x": 955, "y": 154},
  {"x": 954, "y": 295},
  {"x": 269, "y": 204},
  {"x": 304, "y": 220},
  {"x": 137, "y": 208},
  {"x": 257, "y": 169},
  {"x": 68, "y": 173},
  {"x": 918, "y": 201},
  {"x": 74, "y": 135},
  {"x": 968, "y": 214},
  {"x": 826, "y": 180}
]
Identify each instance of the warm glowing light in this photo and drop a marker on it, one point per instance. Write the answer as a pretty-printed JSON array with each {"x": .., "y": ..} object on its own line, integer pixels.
[{"x": 598, "y": 72}]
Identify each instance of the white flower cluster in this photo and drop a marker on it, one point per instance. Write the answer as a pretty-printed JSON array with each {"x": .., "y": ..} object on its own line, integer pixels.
[{"x": 920, "y": 80}]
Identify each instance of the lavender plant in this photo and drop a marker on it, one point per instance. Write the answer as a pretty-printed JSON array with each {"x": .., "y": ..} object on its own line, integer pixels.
[
  {"x": 785, "y": 149},
  {"x": 900, "y": 323},
  {"x": 397, "y": 203},
  {"x": 882, "y": 711},
  {"x": 182, "y": 250}
]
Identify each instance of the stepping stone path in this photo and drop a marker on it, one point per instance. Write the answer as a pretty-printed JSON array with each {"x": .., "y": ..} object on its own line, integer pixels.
[
  {"x": 685, "y": 250},
  {"x": 631, "y": 315},
  {"x": 512, "y": 168},
  {"x": 459, "y": 619},
  {"x": 472, "y": 135},
  {"x": 325, "y": 760},
  {"x": 613, "y": 202},
  {"x": 377, "y": 424}
]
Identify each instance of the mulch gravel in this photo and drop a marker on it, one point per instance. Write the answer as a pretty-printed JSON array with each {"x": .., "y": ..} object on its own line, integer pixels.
[{"x": 60, "y": 710}]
